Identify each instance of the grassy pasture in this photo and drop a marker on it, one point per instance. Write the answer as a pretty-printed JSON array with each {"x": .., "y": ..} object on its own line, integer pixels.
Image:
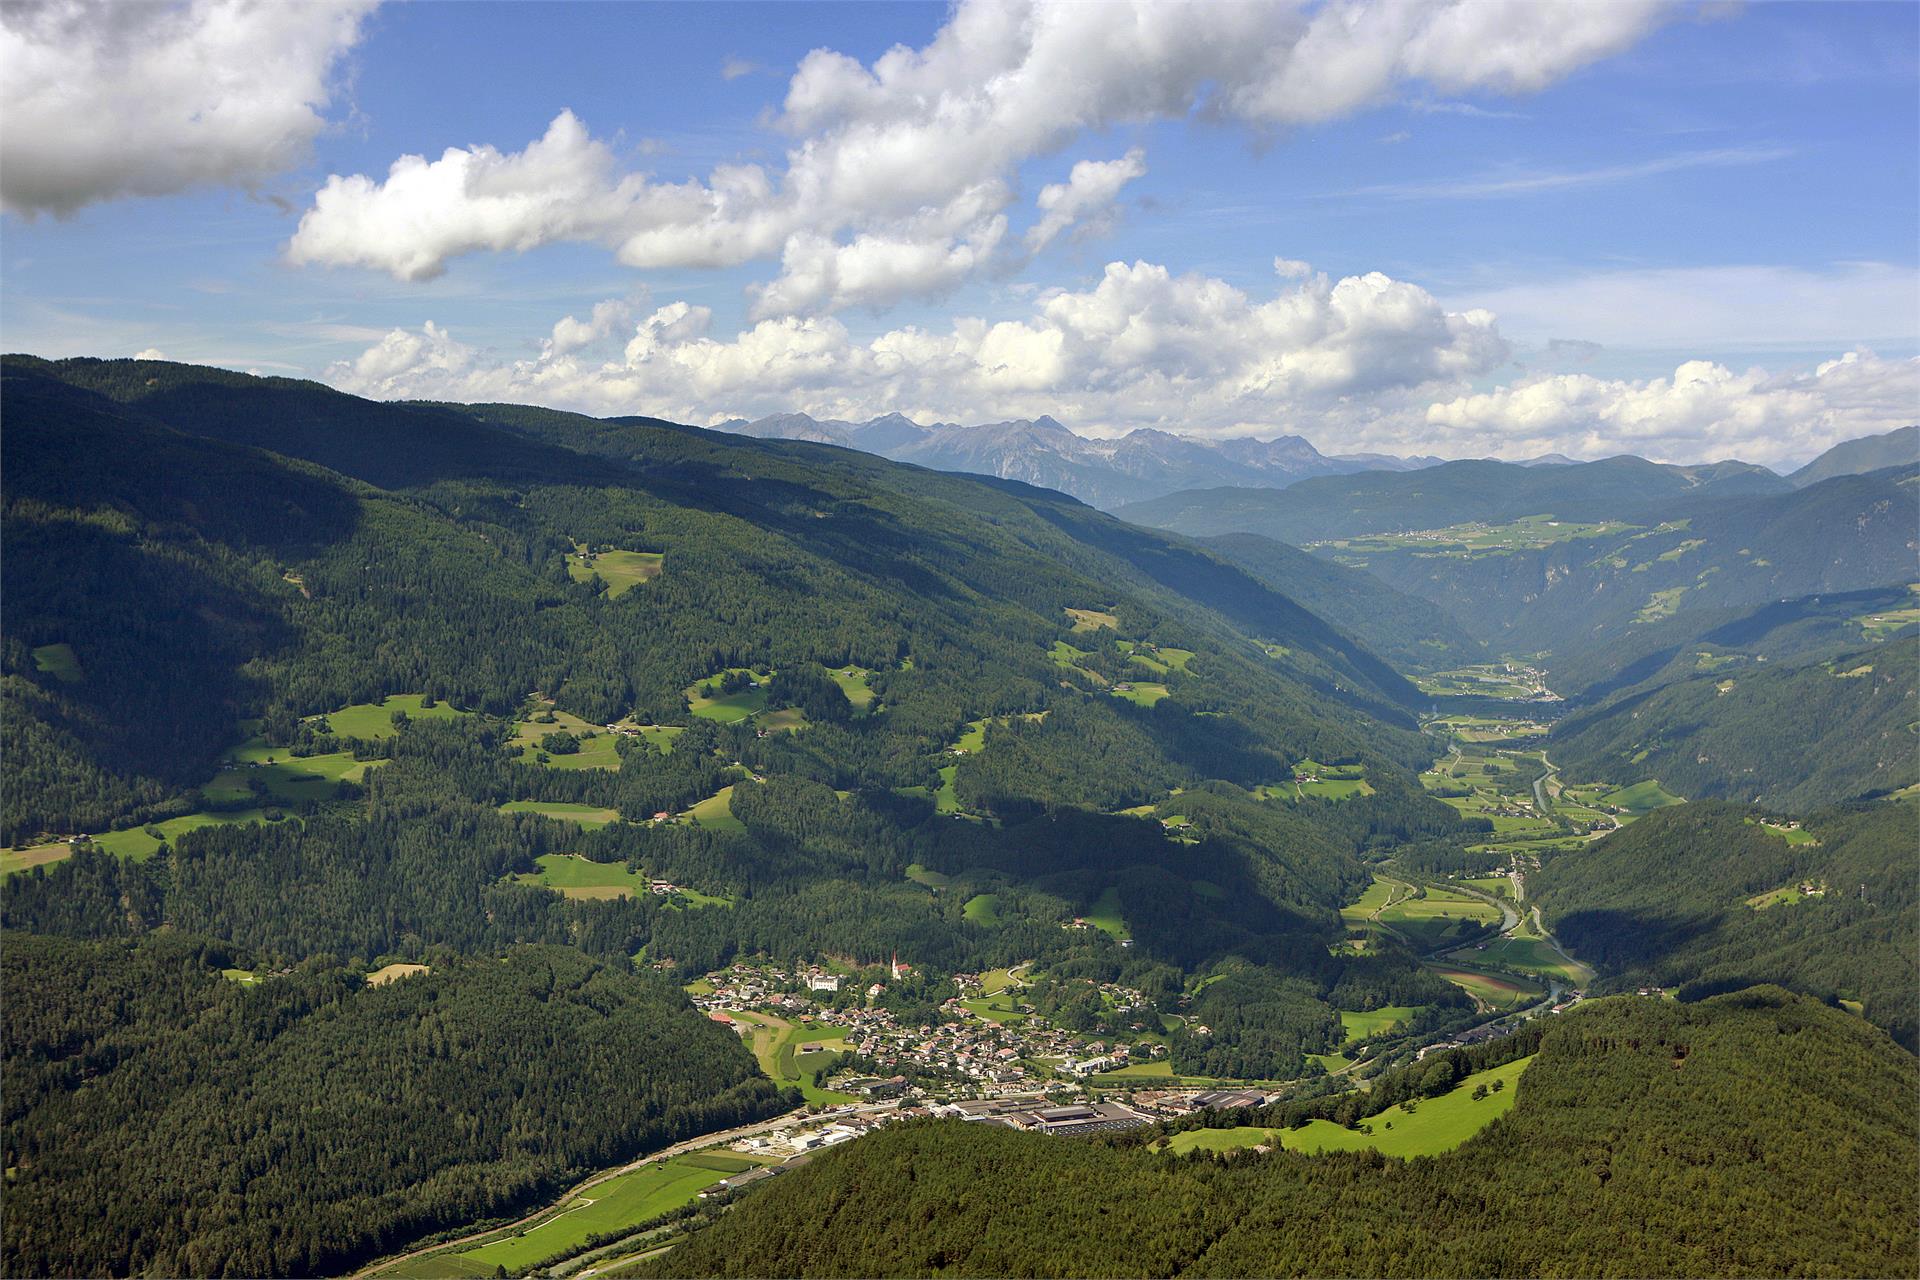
[
  {"x": 601, "y": 751},
  {"x": 13, "y": 861},
  {"x": 1795, "y": 836},
  {"x": 1786, "y": 895},
  {"x": 982, "y": 908},
  {"x": 632, "y": 1197},
  {"x": 927, "y": 876},
  {"x": 853, "y": 682},
  {"x": 705, "y": 700},
  {"x": 286, "y": 777},
  {"x": 622, "y": 571},
  {"x": 1104, "y": 914},
  {"x": 1140, "y": 693},
  {"x": 998, "y": 1007},
  {"x": 133, "y": 843},
  {"x": 60, "y": 662},
  {"x": 1875, "y": 626},
  {"x": 1085, "y": 620},
  {"x": 1499, "y": 886},
  {"x": 1378, "y": 894},
  {"x": 576, "y": 877},
  {"x": 715, "y": 812},
  {"x": 1361, "y": 1025},
  {"x": 586, "y": 815},
  {"x": 374, "y": 720},
  {"x": 994, "y": 981},
  {"x": 774, "y": 1040},
  {"x": 1642, "y": 797},
  {"x": 1529, "y": 955},
  {"x": 1436, "y": 1125}
]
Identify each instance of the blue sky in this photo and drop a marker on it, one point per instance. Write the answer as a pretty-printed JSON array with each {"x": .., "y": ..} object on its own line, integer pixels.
[{"x": 1501, "y": 229}]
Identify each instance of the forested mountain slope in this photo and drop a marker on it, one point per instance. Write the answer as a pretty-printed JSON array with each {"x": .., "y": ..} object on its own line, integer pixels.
[
  {"x": 1118, "y": 749},
  {"x": 1452, "y": 493},
  {"x": 1415, "y": 634},
  {"x": 1705, "y": 898},
  {"x": 162, "y": 1120},
  {"x": 1647, "y": 1139},
  {"x": 1789, "y": 735}
]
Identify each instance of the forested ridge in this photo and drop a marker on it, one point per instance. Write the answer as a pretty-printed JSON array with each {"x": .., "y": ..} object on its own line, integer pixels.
[
  {"x": 1750, "y": 1134},
  {"x": 163, "y": 1120},
  {"x": 1791, "y": 736},
  {"x": 1668, "y": 902}
]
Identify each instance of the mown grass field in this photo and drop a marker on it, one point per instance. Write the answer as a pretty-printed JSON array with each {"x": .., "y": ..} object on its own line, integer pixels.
[
  {"x": 1378, "y": 894},
  {"x": 1361, "y": 1025},
  {"x": 1435, "y": 1125},
  {"x": 394, "y": 972},
  {"x": 584, "y": 814},
  {"x": 1092, "y": 620},
  {"x": 576, "y": 877},
  {"x": 1530, "y": 955},
  {"x": 927, "y": 876},
  {"x": 285, "y": 777},
  {"x": 853, "y": 682},
  {"x": 630, "y": 1198},
  {"x": 622, "y": 571},
  {"x": 374, "y": 720},
  {"x": 715, "y": 814},
  {"x": 1140, "y": 693},
  {"x": 774, "y": 1042}
]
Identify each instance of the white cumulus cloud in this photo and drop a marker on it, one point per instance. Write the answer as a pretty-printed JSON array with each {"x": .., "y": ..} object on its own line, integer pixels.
[
  {"x": 900, "y": 174},
  {"x": 103, "y": 100},
  {"x": 1090, "y": 190}
]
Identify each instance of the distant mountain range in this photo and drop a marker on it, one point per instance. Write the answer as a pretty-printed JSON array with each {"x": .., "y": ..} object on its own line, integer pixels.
[
  {"x": 1146, "y": 464},
  {"x": 1104, "y": 473}
]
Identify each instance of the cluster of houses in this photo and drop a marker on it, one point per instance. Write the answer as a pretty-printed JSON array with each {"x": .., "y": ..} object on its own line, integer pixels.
[{"x": 971, "y": 1054}]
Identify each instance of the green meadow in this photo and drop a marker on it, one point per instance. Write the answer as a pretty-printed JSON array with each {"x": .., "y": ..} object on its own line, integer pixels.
[
  {"x": 576, "y": 877},
  {"x": 1139, "y": 693},
  {"x": 982, "y": 908},
  {"x": 625, "y": 1200},
  {"x": 715, "y": 812},
  {"x": 1434, "y": 1125},
  {"x": 1104, "y": 914},
  {"x": 1361, "y": 1025},
  {"x": 586, "y": 815},
  {"x": 134, "y": 843},
  {"x": 599, "y": 747},
  {"x": 374, "y": 720},
  {"x": 58, "y": 661},
  {"x": 1642, "y": 797},
  {"x": 853, "y": 682},
  {"x": 705, "y": 700},
  {"x": 622, "y": 571}
]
